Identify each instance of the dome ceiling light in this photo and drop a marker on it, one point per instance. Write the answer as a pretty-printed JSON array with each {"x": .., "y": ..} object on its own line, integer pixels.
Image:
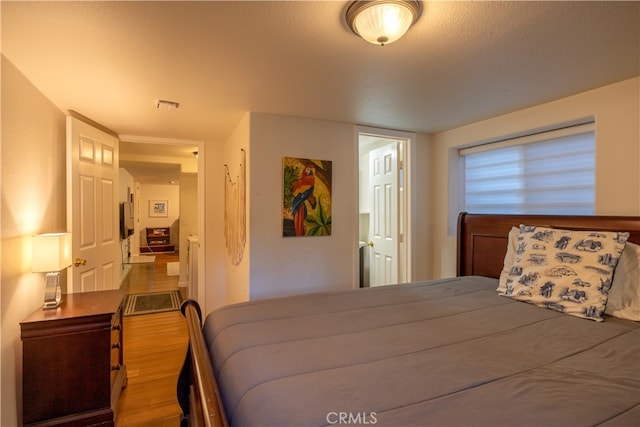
[{"x": 382, "y": 21}]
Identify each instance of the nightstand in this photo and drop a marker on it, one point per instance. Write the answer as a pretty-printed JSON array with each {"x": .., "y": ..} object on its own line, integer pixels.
[{"x": 73, "y": 370}]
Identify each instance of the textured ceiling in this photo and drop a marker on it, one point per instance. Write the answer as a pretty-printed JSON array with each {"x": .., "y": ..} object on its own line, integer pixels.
[{"x": 461, "y": 62}]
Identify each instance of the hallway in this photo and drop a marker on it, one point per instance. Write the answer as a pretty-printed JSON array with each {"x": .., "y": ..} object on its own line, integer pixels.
[{"x": 155, "y": 346}]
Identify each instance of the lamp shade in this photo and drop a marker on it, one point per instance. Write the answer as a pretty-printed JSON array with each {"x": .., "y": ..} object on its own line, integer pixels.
[
  {"x": 382, "y": 21},
  {"x": 51, "y": 252}
]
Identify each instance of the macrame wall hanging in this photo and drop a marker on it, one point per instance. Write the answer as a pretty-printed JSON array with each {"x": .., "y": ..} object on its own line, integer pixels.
[{"x": 235, "y": 212}]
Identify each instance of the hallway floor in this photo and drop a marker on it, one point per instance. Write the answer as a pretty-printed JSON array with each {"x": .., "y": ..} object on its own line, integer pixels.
[{"x": 155, "y": 346}]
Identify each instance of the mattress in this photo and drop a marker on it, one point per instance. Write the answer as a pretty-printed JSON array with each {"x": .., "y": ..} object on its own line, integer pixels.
[{"x": 449, "y": 352}]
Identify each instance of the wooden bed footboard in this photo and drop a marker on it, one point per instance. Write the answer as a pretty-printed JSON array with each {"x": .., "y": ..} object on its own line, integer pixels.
[{"x": 198, "y": 393}]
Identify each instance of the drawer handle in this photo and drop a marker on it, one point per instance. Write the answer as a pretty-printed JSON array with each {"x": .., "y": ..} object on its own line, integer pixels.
[
  {"x": 115, "y": 368},
  {"x": 116, "y": 345}
]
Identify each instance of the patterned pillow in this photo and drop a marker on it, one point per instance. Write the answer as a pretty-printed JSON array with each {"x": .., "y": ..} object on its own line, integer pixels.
[{"x": 563, "y": 270}]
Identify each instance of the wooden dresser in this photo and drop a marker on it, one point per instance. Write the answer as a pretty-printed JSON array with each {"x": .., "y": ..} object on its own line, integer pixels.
[{"x": 73, "y": 370}]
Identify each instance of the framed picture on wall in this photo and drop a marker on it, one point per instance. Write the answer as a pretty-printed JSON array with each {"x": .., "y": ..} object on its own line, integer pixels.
[
  {"x": 306, "y": 199},
  {"x": 158, "y": 208}
]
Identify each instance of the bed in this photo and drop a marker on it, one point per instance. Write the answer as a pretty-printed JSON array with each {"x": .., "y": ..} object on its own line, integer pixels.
[{"x": 447, "y": 352}]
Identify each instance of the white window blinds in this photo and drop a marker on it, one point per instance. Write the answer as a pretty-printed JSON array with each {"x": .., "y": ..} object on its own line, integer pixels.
[{"x": 549, "y": 173}]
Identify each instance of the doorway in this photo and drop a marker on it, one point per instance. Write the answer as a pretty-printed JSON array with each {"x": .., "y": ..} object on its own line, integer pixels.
[
  {"x": 384, "y": 235},
  {"x": 167, "y": 173}
]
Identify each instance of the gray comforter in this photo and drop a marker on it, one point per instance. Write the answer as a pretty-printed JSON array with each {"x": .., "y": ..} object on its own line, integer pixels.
[{"x": 437, "y": 353}]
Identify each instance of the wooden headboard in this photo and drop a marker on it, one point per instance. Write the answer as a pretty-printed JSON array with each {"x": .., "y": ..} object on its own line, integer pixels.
[{"x": 482, "y": 238}]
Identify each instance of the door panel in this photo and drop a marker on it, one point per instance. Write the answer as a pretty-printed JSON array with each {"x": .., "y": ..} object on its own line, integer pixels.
[
  {"x": 108, "y": 275},
  {"x": 86, "y": 200},
  {"x": 92, "y": 209},
  {"x": 87, "y": 280}
]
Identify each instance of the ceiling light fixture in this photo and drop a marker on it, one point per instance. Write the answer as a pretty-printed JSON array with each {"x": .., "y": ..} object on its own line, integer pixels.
[{"x": 382, "y": 21}]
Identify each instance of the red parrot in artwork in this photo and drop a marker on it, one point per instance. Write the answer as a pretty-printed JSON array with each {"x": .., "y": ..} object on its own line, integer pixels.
[{"x": 302, "y": 191}]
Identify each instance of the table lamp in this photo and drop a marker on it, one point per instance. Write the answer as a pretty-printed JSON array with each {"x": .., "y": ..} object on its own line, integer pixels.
[{"x": 51, "y": 254}]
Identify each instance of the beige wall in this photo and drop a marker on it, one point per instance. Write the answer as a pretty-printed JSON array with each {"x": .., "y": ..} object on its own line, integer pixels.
[
  {"x": 421, "y": 207},
  {"x": 211, "y": 262},
  {"x": 273, "y": 265},
  {"x": 616, "y": 109},
  {"x": 283, "y": 266},
  {"x": 33, "y": 202}
]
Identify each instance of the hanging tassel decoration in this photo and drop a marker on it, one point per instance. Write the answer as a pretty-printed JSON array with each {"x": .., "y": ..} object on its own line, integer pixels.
[{"x": 235, "y": 212}]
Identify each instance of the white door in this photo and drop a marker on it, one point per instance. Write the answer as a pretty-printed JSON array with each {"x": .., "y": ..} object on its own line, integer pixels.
[
  {"x": 92, "y": 207},
  {"x": 383, "y": 221}
]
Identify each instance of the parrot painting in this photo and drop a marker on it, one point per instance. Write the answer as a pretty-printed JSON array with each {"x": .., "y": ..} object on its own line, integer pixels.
[{"x": 302, "y": 192}]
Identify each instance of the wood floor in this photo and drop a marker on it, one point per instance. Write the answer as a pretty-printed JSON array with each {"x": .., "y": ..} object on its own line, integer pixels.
[{"x": 154, "y": 348}]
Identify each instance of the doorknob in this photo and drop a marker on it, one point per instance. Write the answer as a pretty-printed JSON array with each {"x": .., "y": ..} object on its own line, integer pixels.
[
  {"x": 370, "y": 243},
  {"x": 79, "y": 261}
]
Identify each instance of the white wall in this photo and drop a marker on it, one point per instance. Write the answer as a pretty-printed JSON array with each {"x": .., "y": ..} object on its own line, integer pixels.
[
  {"x": 616, "y": 109},
  {"x": 283, "y": 266},
  {"x": 33, "y": 201}
]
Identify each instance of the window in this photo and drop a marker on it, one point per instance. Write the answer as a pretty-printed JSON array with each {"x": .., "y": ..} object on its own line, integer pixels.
[{"x": 547, "y": 173}]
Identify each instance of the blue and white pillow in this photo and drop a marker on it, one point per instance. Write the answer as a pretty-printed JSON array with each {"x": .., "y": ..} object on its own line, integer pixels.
[{"x": 563, "y": 270}]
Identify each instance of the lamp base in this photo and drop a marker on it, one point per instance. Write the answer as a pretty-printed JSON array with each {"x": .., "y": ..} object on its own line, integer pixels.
[{"x": 52, "y": 292}]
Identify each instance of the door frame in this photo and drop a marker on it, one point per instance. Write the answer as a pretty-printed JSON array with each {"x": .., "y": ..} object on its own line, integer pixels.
[
  {"x": 406, "y": 142},
  {"x": 201, "y": 200}
]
